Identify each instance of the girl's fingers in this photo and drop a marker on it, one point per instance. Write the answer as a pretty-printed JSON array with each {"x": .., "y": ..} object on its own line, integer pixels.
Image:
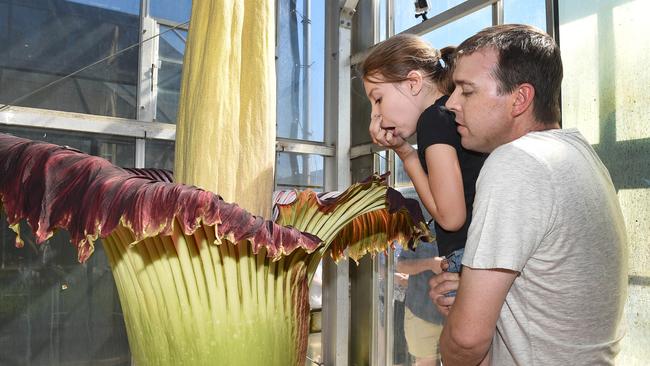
[
  {"x": 381, "y": 137},
  {"x": 375, "y": 128}
]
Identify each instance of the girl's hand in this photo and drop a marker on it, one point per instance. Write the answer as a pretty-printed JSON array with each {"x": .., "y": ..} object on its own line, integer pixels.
[
  {"x": 401, "y": 279},
  {"x": 384, "y": 136},
  {"x": 437, "y": 265}
]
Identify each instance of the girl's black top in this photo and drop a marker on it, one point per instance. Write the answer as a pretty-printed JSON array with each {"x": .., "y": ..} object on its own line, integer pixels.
[{"x": 437, "y": 125}]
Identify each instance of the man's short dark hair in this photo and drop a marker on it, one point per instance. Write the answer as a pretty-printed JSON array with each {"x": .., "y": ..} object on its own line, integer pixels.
[{"x": 525, "y": 55}]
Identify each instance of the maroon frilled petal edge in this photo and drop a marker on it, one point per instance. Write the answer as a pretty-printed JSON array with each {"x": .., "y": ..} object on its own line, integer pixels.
[
  {"x": 395, "y": 201},
  {"x": 57, "y": 187}
]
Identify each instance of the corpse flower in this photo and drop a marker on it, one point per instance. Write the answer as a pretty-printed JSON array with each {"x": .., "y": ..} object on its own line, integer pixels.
[{"x": 201, "y": 281}]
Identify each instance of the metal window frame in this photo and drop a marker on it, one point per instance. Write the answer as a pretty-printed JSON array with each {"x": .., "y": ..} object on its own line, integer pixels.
[
  {"x": 79, "y": 122},
  {"x": 459, "y": 11},
  {"x": 143, "y": 127},
  {"x": 336, "y": 276},
  {"x": 95, "y": 124}
]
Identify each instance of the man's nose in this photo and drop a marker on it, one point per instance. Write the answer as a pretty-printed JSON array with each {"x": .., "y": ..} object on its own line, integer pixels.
[{"x": 452, "y": 102}]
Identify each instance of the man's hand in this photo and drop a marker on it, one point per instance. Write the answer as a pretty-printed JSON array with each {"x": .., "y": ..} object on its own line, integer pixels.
[{"x": 440, "y": 285}]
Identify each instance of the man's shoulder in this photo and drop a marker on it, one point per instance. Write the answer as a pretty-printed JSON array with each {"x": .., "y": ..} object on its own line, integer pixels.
[
  {"x": 534, "y": 148},
  {"x": 514, "y": 154}
]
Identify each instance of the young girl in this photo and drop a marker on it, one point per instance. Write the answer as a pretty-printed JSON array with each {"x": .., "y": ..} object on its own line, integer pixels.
[{"x": 408, "y": 82}]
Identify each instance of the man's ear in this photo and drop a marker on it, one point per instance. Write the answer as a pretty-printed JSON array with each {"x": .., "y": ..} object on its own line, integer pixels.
[
  {"x": 523, "y": 99},
  {"x": 415, "y": 82}
]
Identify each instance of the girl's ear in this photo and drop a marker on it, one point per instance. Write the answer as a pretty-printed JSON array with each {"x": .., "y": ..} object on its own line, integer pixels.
[{"x": 415, "y": 82}]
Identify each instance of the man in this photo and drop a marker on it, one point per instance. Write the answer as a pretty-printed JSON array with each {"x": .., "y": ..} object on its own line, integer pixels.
[{"x": 544, "y": 276}]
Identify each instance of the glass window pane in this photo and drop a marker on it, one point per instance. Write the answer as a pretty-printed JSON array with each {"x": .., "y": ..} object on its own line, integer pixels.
[
  {"x": 314, "y": 342},
  {"x": 383, "y": 9},
  {"x": 605, "y": 53},
  {"x": 170, "y": 52},
  {"x": 405, "y": 12},
  {"x": 175, "y": 10},
  {"x": 54, "y": 310},
  {"x": 380, "y": 334},
  {"x": 43, "y": 43},
  {"x": 361, "y": 168},
  {"x": 400, "y": 284},
  {"x": 532, "y": 12},
  {"x": 401, "y": 177},
  {"x": 122, "y": 6},
  {"x": 159, "y": 154},
  {"x": 382, "y": 159},
  {"x": 116, "y": 149},
  {"x": 360, "y": 109},
  {"x": 300, "y": 171},
  {"x": 300, "y": 70},
  {"x": 455, "y": 32}
]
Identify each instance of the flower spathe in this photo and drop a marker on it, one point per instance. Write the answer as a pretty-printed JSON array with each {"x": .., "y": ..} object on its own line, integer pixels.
[{"x": 45, "y": 184}]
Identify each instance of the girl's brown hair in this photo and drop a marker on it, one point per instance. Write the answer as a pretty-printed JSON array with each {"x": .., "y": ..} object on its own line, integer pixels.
[{"x": 395, "y": 57}]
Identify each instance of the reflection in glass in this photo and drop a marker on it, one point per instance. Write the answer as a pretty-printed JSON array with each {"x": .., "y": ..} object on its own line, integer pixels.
[
  {"x": 380, "y": 335},
  {"x": 300, "y": 70},
  {"x": 361, "y": 168},
  {"x": 455, "y": 32},
  {"x": 174, "y": 10},
  {"x": 301, "y": 171},
  {"x": 170, "y": 52},
  {"x": 382, "y": 158},
  {"x": 405, "y": 12},
  {"x": 360, "y": 111},
  {"x": 124, "y": 6},
  {"x": 55, "y": 311},
  {"x": 159, "y": 154},
  {"x": 401, "y": 177},
  {"x": 314, "y": 341},
  {"x": 118, "y": 150},
  {"x": 48, "y": 40}
]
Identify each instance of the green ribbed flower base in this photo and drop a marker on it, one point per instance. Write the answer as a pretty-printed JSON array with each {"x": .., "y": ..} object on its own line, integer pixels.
[{"x": 188, "y": 301}]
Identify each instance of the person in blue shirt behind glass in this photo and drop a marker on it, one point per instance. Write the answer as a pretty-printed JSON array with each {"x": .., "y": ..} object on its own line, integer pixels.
[{"x": 422, "y": 321}]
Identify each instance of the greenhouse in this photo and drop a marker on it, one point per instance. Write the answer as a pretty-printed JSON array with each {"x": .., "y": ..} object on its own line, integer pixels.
[{"x": 255, "y": 182}]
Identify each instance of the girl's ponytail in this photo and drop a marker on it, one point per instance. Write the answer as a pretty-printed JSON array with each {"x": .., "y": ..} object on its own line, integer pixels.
[{"x": 445, "y": 68}]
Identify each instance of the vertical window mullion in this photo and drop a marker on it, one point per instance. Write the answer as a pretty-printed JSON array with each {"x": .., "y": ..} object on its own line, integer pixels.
[
  {"x": 497, "y": 12},
  {"x": 390, "y": 15},
  {"x": 148, "y": 59},
  {"x": 306, "y": 65}
]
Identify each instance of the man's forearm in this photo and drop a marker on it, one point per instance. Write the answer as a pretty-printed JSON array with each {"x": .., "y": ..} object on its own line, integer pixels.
[
  {"x": 471, "y": 325},
  {"x": 455, "y": 354}
]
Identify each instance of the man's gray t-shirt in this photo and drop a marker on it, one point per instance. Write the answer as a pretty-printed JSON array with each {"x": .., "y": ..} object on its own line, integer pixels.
[{"x": 546, "y": 207}]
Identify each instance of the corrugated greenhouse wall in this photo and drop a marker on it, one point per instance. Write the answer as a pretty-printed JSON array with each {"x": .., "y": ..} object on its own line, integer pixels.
[{"x": 606, "y": 94}]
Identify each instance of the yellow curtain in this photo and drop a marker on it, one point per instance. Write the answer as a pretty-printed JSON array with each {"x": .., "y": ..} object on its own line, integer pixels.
[{"x": 225, "y": 134}]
